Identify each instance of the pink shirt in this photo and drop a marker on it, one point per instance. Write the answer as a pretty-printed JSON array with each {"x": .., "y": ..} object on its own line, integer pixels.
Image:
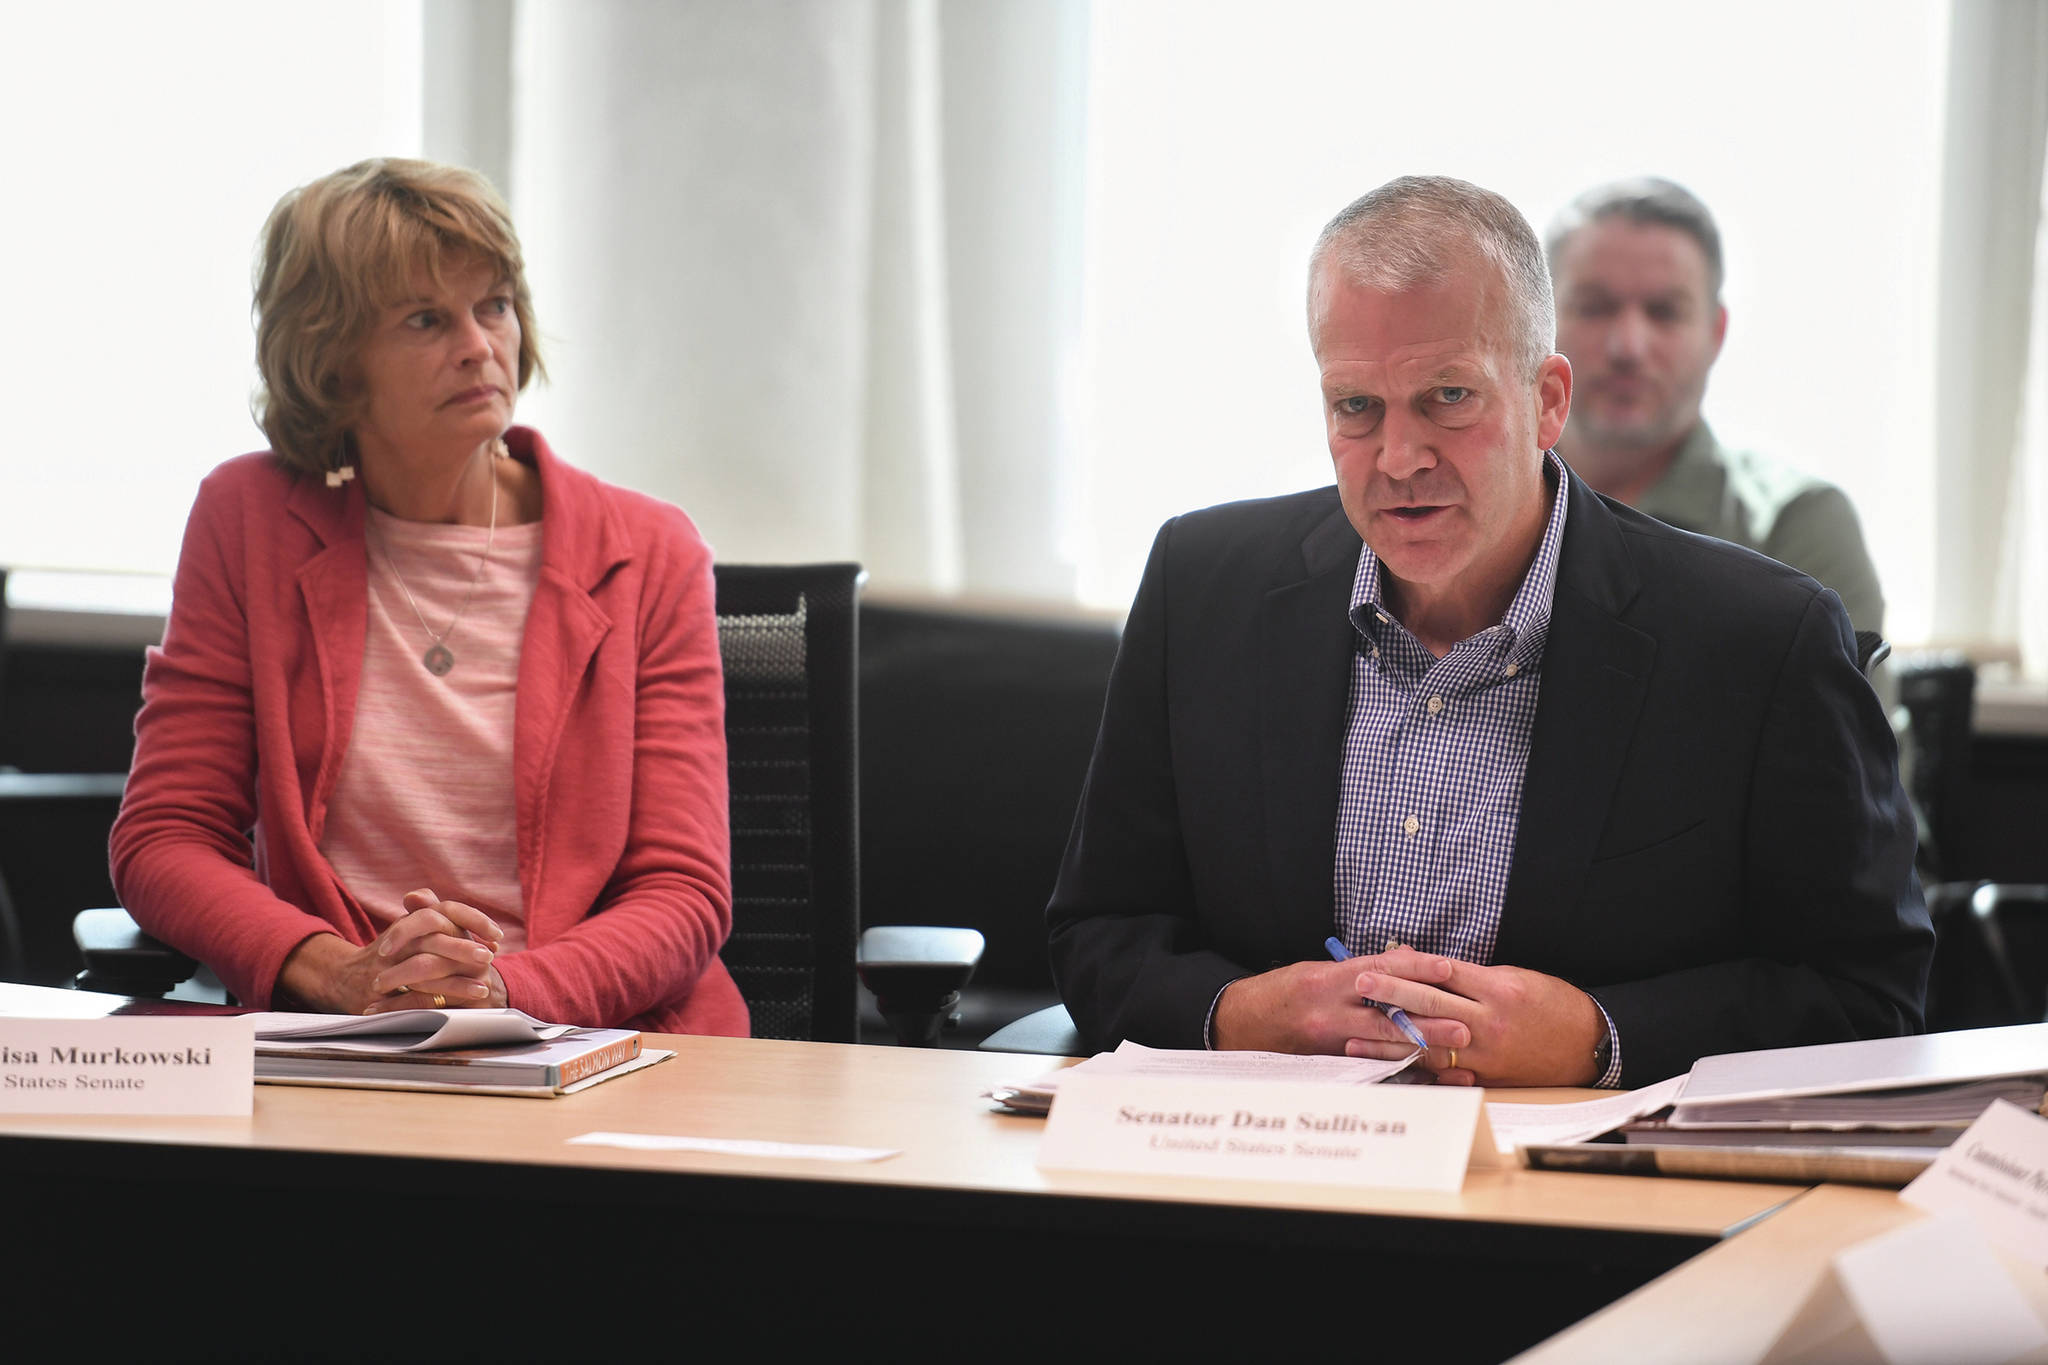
[{"x": 424, "y": 798}]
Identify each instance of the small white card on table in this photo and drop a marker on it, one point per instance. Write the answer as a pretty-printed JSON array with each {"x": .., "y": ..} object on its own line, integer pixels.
[
  {"x": 148, "y": 1064},
  {"x": 1387, "y": 1136},
  {"x": 1929, "y": 1293},
  {"x": 1996, "y": 1175}
]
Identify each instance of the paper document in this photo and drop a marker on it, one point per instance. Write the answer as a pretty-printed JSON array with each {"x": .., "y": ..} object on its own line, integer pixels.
[
  {"x": 1135, "y": 1059},
  {"x": 1928, "y": 1293},
  {"x": 797, "y": 1151},
  {"x": 1996, "y": 1176},
  {"x": 1529, "y": 1125},
  {"x": 1740, "y": 1085},
  {"x": 402, "y": 1030}
]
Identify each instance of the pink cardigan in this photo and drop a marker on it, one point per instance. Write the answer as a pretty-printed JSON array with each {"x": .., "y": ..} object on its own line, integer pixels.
[{"x": 618, "y": 748}]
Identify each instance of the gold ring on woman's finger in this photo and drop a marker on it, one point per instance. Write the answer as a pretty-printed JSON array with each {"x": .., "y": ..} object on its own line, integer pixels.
[{"x": 441, "y": 1001}]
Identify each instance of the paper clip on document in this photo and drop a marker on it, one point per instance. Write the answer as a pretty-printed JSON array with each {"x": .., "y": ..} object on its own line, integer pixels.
[{"x": 1400, "y": 1016}]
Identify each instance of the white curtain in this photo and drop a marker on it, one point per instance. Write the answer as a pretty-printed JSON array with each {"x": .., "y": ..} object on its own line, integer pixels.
[
  {"x": 145, "y": 145},
  {"x": 2020, "y": 610},
  {"x": 1991, "y": 511},
  {"x": 795, "y": 267}
]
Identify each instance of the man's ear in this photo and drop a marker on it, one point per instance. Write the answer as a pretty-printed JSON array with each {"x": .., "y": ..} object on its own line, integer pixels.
[
  {"x": 1720, "y": 330},
  {"x": 1553, "y": 399}
]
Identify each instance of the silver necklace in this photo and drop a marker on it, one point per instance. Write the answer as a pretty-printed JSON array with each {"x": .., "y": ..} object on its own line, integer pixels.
[{"x": 438, "y": 657}]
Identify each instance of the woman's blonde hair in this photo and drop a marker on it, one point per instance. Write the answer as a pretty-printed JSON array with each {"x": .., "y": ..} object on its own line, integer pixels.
[{"x": 339, "y": 251}]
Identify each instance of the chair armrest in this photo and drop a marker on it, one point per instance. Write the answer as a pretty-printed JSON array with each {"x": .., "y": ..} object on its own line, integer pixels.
[
  {"x": 916, "y": 973},
  {"x": 1049, "y": 1032},
  {"x": 122, "y": 960}
]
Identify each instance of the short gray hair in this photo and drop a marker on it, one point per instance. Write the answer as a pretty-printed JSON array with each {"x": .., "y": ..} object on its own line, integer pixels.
[
  {"x": 1648, "y": 200},
  {"x": 1419, "y": 229}
]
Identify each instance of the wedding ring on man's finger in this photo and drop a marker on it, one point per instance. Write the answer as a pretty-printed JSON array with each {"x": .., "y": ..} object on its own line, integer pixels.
[{"x": 1454, "y": 1059}]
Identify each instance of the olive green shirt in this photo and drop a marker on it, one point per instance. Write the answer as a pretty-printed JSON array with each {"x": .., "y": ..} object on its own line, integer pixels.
[{"x": 1796, "y": 519}]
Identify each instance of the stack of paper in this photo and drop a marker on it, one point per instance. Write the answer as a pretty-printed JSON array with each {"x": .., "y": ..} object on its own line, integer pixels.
[
  {"x": 1876, "y": 1111},
  {"x": 1955, "y": 1104},
  {"x": 1134, "y": 1059},
  {"x": 503, "y": 1052},
  {"x": 1877, "y": 1083}
]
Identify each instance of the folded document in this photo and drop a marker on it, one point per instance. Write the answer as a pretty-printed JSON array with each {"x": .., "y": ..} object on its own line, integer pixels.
[
  {"x": 402, "y": 1030},
  {"x": 1873, "y": 1111},
  {"x": 1135, "y": 1059}
]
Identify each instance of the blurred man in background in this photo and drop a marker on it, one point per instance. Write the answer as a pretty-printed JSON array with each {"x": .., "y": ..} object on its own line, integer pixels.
[{"x": 1637, "y": 265}]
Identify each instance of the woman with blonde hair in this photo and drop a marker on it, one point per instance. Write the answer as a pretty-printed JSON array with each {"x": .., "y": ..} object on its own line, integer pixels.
[{"x": 437, "y": 719}]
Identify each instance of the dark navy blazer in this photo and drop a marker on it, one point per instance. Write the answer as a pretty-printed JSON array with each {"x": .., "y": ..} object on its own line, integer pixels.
[{"x": 1713, "y": 840}]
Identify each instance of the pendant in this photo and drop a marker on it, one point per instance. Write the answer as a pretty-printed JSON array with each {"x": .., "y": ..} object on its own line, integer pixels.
[{"x": 438, "y": 659}]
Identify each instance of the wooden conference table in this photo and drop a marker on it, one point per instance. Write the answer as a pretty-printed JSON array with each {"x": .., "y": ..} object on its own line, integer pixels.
[
  {"x": 465, "y": 1226},
  {"x": 1731, "y": 1303}
]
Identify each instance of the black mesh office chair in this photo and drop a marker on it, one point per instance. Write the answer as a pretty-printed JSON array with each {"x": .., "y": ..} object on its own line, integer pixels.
[
  {"x": 787, "y": 635},
  {"x": 1990, "y": 955},
  {"x": 12, "y": 958},
  {"x": 46, "y": 818},
  {"x": 1937, "y": 691},
  {"x": 789, "y": 639},
  {"x": 1990, "y": 938}
]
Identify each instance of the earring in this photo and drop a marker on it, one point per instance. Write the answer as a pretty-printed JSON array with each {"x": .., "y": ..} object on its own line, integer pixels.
[{"x": 337, "y": 477}]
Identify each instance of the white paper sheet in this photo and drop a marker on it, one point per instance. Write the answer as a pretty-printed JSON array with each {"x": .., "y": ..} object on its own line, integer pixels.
[
  {"x": 662, "y": 1142},
  {"x": 402, "y": 1030},
  {"x": 1530, "y": 1125},
  {"x": 1135, "y": 1059},
  {"x": 1933, "y": 1293},
  {"x": 1996, "y": 1175}
]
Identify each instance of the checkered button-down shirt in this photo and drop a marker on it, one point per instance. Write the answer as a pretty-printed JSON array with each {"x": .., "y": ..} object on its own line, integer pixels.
[{"x": 1434, "y": 755}]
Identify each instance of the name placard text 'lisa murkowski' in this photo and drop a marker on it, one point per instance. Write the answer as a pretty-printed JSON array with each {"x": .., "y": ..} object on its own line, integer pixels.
[{"x": 152, "y": 1064}]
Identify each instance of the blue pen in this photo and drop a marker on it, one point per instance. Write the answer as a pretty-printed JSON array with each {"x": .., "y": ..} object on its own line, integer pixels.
[{"x": 1400, "y": 1016}]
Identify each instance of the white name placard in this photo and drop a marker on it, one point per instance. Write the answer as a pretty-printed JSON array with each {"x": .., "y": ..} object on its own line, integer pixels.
[
  {"x": 1995, "y": 1174},
  {"x": 1931, "y": 1291},
  {"x": 1389, "y": 1136},
  {"x": 150, "y": 1064}
]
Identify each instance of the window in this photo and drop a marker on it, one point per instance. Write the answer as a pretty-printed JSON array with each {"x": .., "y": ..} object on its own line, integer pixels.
[
  {"x": 1224, "y": 136},
  {"x": 147, "y": 145}
]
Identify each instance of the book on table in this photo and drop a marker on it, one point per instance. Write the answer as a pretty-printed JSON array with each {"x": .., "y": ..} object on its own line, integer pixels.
[
  {"x": 505, "y": 1052},
  {"x": 1874, "y": 1111}
]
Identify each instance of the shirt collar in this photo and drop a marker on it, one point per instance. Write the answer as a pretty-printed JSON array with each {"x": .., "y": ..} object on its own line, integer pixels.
[{"x": 1527, "y": 620}]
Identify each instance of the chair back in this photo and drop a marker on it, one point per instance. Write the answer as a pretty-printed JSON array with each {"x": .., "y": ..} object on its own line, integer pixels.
[
  {"x": 3, "y": 655},
  {"x": 979, "y": 726},
  {"x": 787, "y": 638},
  {"x": 13, "y": 958},
  {"x": 1938, "y": 692},
  {"x": 1990, "y": 956}
]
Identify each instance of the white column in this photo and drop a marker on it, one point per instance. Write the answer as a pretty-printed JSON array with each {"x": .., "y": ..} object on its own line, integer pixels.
[{"x": 691, "y": 182}]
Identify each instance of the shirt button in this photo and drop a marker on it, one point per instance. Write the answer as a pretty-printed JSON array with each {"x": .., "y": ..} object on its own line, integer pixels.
[
  {"x": 1383, "y": 618},
  {"x": 1410, "y": 825},
  {"x": 1436, "y": 704},
  {"x": 1375, "y": 651},
  {"x": 1513, "y": 669}
]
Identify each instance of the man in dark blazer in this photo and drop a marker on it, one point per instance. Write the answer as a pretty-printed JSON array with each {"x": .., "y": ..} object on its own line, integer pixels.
[{"x": 1624, "y": 788}]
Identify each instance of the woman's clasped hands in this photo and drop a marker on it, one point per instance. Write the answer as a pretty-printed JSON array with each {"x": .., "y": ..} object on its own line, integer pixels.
[{"x": 437, "y": 954}]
